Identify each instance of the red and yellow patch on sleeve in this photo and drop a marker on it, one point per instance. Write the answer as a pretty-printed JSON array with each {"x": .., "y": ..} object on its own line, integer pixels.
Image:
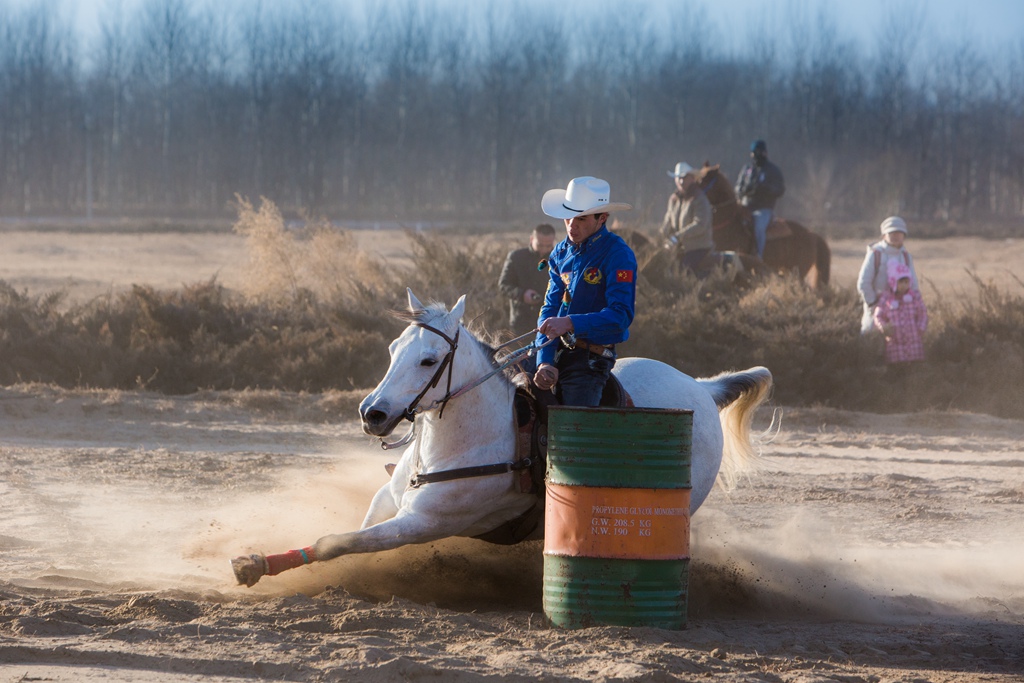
[{"x": 624, "y": 276}]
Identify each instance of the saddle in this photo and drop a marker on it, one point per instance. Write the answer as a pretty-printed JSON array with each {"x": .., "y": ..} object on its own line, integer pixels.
[
  {"x": 530, "y": 406},
  {"x": 531, "y": 412},
  {"x": 777, "y": 228}
]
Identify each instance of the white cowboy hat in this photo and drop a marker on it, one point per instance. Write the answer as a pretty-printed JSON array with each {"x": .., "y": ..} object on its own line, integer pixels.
[
  {"x": 583, "y": 197},
  {"x": 682, "y": 168},
  {"x": 893, "y": 224}
]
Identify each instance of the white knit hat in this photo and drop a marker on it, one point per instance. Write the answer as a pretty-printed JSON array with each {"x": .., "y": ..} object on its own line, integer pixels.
[{"x": 894, "y": 224}]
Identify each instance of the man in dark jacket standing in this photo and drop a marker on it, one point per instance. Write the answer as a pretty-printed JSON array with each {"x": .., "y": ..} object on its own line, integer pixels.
[
  {"x": 759, "y": 186},
  {"x": 524, "y": 278}
]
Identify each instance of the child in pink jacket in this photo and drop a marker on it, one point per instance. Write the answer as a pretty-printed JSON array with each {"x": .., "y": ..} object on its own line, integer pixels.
[{"x": 901, "y": 317}]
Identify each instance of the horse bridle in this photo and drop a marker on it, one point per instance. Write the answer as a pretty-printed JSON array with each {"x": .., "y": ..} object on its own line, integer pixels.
[
  {"x": 410, "y": 414},
  {"x": 447, "y": 362}
]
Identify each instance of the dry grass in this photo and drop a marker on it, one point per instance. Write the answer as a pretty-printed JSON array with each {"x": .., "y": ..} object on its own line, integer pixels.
[
  {"x": 314, "y": 317},
  {"x": 285, "y": 263}
]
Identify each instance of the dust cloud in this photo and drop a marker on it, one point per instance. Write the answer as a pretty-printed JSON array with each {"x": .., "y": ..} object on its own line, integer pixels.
[
  {"x": 172, "y": 518},
  {"x": 802, "y": 568}
]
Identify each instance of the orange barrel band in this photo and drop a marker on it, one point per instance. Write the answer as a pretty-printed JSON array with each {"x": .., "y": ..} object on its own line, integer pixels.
[{"x": 617, "y": 523}]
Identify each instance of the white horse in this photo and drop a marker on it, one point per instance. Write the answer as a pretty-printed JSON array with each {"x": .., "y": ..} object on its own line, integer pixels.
[{"x": 474, "y": 426}]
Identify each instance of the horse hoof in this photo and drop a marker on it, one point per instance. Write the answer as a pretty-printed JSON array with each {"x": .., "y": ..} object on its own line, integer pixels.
[{"x": 249, "y": 568}]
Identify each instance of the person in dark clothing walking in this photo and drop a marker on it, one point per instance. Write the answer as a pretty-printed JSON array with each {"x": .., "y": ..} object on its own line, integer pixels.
[
  {"x": 758, "y": 187},
  {"x": 524, "y": 278}
]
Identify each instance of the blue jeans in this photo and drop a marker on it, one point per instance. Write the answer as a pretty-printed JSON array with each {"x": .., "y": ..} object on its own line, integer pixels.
[
  {"x": 581, "y": 377},
  {"x": 762, "y": 217}
]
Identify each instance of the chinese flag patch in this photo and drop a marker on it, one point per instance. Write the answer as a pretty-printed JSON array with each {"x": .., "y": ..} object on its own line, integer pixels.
[{"x": 624, "y": 276}]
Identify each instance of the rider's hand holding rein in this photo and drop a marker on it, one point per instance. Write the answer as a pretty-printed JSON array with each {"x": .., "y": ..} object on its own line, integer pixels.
[
  {"x": 556, "y": 327},
  {"x": 547, "y": 375}
]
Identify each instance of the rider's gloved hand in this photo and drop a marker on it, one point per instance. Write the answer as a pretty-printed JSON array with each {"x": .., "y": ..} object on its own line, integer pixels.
[{"x": 546, "y": 377}]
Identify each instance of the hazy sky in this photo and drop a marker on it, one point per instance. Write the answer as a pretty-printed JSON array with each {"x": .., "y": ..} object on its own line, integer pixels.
[{"x": 990, "y": 22}]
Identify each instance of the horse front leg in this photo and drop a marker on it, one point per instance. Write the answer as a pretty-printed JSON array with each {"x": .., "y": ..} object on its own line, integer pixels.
[
  {"x": 382, "y": 507},
  {"x": 404, "y": 529}
]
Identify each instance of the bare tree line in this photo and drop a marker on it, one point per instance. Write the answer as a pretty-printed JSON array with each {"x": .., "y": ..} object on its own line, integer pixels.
[{"x": 414, "y": 112}]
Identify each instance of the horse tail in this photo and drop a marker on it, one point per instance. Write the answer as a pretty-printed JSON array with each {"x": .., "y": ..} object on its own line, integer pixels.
[
  {"x": 822, "y": 261},
  {"x": 738, "y": 396}
]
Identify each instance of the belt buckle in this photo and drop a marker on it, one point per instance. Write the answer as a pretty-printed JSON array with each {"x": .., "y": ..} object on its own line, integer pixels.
[{"x": 569, "y": 339}]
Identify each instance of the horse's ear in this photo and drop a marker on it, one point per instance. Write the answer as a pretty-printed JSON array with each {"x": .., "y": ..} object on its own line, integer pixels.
[
  {"x": 415, "y": 307},
  {"x": 458, "y": 309}
]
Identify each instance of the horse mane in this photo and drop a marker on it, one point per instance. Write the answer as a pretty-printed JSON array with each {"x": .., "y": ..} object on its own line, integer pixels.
[{"x": 431, "y": 311}]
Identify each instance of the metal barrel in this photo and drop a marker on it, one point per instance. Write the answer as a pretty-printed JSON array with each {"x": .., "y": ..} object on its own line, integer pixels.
[{"x": 617, "y": 517}]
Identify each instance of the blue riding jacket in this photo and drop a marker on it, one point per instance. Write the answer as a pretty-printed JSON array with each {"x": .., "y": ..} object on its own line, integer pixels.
[{"x": 594, "y": 283}]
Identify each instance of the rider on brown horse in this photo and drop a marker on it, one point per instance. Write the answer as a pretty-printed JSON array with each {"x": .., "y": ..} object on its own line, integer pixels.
[
  {"x": 687, "y": 227},
  {"x": 759, "y": 186}
]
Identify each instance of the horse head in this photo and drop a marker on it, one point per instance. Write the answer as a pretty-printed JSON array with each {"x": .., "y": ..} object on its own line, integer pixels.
[
  {"x": 704, "y": 171},
  {"x": 420, "y": 356},
  {"x": 716, "y": 186}
]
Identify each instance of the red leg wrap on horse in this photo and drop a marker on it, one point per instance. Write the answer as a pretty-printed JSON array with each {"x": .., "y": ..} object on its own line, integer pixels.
[{"x": 289, "y": 560}]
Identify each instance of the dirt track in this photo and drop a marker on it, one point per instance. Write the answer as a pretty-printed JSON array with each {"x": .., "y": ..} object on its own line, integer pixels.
[{"x": 868, "y": 548}]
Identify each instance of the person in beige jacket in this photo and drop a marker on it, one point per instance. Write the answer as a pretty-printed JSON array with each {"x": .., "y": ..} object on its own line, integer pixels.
[
  {"x": 873, "y": 279},
  {"x": 687, "y": 224}
]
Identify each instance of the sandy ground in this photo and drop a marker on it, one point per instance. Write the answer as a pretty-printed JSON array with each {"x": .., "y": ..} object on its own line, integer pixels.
[{"x": 868, "y": 548}]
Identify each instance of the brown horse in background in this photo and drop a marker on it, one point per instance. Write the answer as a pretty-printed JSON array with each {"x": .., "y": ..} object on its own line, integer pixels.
[
  {"x": 790, "y": 245},
  {"x": 745, "y": 269}
]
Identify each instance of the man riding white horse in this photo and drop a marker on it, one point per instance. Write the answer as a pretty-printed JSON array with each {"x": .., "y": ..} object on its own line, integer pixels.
[
  {"x": 591, "y": 294},
  {"x": 459, "y": 475}
]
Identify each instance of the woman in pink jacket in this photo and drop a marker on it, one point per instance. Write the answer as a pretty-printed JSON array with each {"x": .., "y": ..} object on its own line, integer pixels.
[{"x": 901, "y": 316}]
